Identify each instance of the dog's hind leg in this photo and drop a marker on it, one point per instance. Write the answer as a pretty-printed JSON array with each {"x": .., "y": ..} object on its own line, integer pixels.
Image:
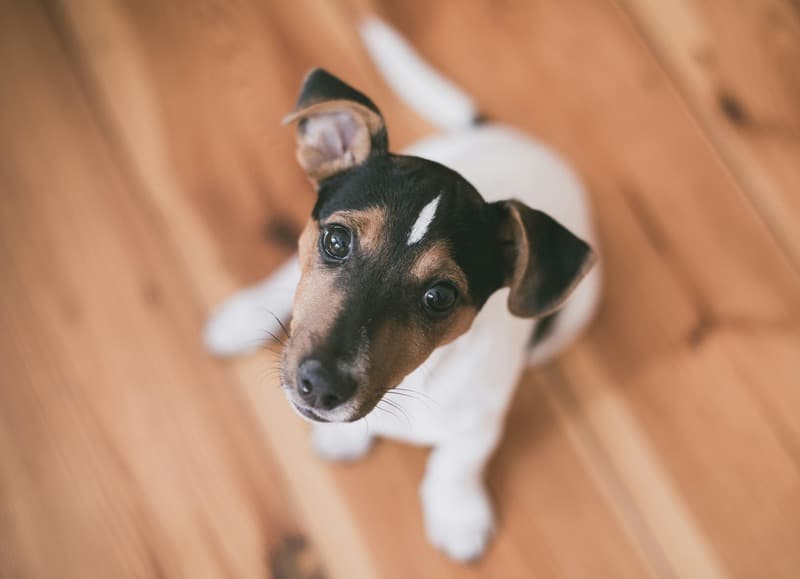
[{"x": 253, "y": 316}]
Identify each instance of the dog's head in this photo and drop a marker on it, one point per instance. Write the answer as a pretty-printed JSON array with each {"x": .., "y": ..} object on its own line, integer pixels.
[{"x": 398, "y": 257}]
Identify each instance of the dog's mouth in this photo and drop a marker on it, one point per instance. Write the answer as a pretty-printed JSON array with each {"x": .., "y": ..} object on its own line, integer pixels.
[
  {"x": 308, "y": 413},
  {"x": 312, "y": 415}
]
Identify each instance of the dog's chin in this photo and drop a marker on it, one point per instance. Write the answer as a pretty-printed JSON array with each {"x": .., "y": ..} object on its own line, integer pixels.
[
  {"x": 312, "y": 415},
  {"x": 307, "y": 413}
]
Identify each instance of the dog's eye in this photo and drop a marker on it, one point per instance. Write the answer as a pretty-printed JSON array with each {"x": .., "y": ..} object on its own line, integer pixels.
[
  {"x": 336, "y": 240},
  {"x": 440, "y": 298}
]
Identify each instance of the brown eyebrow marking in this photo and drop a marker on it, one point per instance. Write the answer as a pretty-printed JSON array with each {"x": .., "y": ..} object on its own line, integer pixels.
[
  {"x": 436, "y": 260},
  {"x": 370, "y": 223}
]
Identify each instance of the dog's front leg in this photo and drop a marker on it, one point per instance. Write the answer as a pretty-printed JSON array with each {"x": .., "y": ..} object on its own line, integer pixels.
[
  {"x": 456, "y": 504},
  {"x": 251, "y": 317},
  {"x": 341, "y": 441}
]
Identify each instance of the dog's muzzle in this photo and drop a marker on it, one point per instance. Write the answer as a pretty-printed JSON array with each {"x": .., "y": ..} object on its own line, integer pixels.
[{"x": 321, "y": 392}]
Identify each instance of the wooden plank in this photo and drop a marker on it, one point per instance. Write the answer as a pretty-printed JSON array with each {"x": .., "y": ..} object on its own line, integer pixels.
[
  {"x": 125, "y": 451},
  {"x": 737, "y": 69},
  {"x": 640, "y": 454},
  {"x": 378, "y": 497},
  {"x": 688, "y": 262}
]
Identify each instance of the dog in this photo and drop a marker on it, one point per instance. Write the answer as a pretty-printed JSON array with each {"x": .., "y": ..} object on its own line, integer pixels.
[{"x": 424, "y": 283}]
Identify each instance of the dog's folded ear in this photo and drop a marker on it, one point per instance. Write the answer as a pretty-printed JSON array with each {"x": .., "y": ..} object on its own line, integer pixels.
[
  {"x": 542, "y": 260},
  {"x": 338, "y": 126}
]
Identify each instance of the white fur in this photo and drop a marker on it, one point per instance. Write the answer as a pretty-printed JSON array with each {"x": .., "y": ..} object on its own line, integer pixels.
[
  {"x": 423, "y": 222},
  {"x": 243, "y": 322},
  {"x": 460, "y": 395}
]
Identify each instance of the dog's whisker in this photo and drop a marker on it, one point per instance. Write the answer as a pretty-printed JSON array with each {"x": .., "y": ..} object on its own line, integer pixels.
[
  {"x": 422, "y": 395},
  {"x": 269, "y": 347},
  {"x": 276, "y": 338},
  {"x": 366, "y": 423},
  {"x": 400, "y": 394},
  {"x": 399, "y": 408},
  {"x": 281, "y": 325},
  {"x": 280, "y": 322},
  {"x": 405, "y": 395},
  {"x": 381, "y": 408},
  {"x": 401, "y": 389},
  {"x": 429, "y": 404}
]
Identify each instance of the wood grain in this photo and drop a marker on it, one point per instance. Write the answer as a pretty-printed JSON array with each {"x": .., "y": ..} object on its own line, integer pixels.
[
  {"x": 125, "y": 451},
  {"x": 144, "y": 176},
  {"x": 737, "y": 69}
]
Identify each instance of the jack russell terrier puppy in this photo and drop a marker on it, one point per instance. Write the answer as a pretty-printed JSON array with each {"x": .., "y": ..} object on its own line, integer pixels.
[{"x": 425, "y": 281}]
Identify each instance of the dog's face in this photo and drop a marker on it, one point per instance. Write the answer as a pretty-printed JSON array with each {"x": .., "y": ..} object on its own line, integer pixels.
[{"x": 398, "y": 257}]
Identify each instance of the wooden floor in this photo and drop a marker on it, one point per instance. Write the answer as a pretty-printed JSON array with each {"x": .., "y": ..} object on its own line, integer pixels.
[{"x": 144, "y": 176}]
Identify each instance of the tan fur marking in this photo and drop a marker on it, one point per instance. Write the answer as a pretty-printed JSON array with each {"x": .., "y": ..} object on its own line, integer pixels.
[
  {"x": 436, "y": 261},
  {"x": 460, "y": 321},
  {"x": 370, "y": 225},
  {"x": 515, "y": 230},
  {"x": 306, "y": 245},
  {"x": 402, "y": 348},
  {"x": 316, "y": 304}
]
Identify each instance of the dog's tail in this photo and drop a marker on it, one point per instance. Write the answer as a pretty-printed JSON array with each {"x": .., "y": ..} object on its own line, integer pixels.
[{"x": 434, "y": 97}]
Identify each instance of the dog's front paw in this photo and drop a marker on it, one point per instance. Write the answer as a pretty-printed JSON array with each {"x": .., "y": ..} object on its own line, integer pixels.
[
  {"x": 458, "y": 521},
  {"x": 341, "y": 441},
  {"x": 247, "y": 320},
  {"x": 236, "y": 326}
]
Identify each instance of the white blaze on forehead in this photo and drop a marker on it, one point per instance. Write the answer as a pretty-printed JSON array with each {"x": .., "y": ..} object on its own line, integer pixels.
[{"x": 420, "y": 227}]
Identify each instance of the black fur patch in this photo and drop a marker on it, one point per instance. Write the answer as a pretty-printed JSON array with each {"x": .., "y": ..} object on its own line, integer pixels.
[
  {"x": 556, "y": 258},
  {"x": 320, "y": 86},
  {"x": 380, "y": 287},
  {"x": 543, "y": 329}
]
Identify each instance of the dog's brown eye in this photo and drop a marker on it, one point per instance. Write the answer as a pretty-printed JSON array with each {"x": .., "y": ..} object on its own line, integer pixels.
[
  {"x": 440, "y": 298},
  {"x": 336, "y": 240}
]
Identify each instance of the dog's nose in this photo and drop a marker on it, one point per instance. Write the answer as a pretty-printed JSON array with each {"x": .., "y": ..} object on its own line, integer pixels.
[{"x": 320, "y": 388}]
